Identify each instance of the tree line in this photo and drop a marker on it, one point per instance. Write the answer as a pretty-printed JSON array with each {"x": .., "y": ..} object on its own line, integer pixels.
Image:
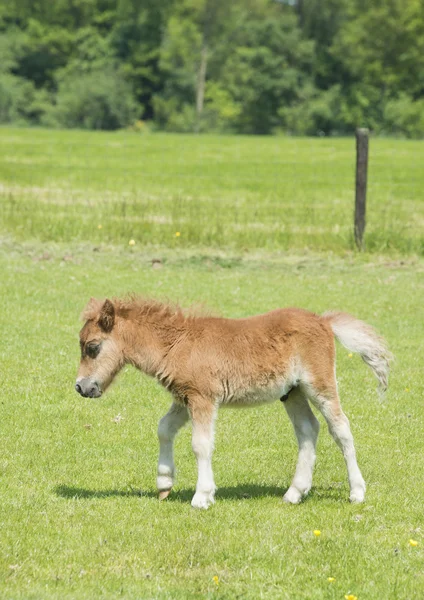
[{"x": 301, "y": 67}]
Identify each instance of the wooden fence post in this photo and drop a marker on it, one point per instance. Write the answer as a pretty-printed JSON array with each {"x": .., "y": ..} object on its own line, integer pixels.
[{"x": 361, "y": 185}]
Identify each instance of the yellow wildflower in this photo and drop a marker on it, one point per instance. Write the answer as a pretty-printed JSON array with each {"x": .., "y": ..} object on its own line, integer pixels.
[
  {"x": 317, "y": 532},
  {"x": 350, "y": 355},
  {"x": 331, "y": 579},
  {"x": 413, "y": 542},
  {"x": 177, "y": 234},
  {"x": 350, "y": 597},
  {"x": 131, "y": 243},
  {"x": 99, "y": 226},
  {"x": 215, "y": 579}
]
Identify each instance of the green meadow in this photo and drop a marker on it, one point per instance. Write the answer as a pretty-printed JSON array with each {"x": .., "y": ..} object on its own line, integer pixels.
[
  {"x": 79, "y": 514},
  {"x": 217, "y": 191}
]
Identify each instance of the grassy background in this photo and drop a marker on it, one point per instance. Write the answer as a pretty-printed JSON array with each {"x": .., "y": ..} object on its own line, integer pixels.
[
  {"x": 221, "y": 191},
  {"x": 78, "y": 510},
  {"x": 79, "y": 516}
]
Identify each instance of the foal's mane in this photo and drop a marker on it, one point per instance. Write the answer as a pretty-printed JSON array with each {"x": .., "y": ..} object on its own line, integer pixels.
[{"x": 140, "y": 307}]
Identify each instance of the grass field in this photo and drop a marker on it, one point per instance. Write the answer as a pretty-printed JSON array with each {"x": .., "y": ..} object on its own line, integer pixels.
[
  {"x": 221, "y": 191},
  {"x": 78, "y": 510},
  {"x": 262, "y": 223}
]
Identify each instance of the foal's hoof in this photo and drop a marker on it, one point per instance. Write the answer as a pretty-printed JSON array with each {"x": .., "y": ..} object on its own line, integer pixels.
[
  {"x": 357, "y": 496},
  {"x": 164, "y": 483},
  {"x": 292, "y": 496},
  {"x": 202, "y": 500},
  {"x": 163, "y": 495}
]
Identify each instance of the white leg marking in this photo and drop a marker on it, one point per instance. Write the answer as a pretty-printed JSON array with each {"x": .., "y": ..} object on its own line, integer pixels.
[
  {"x": 338, "y": 425},
  {"x": 169, "y": 426},
  {"x": 202, "y": 443},
  {"x": 306, "y": 427},
  {"x": 343, "y": 436}
]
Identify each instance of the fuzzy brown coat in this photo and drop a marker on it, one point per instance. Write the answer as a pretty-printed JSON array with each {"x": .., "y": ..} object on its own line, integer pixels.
[{"x": 206, "y": 362}]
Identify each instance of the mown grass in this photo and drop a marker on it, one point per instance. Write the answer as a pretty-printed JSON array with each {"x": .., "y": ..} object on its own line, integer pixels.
[
  {"x": 78, "y": 510},
  {"x": 217, "y": 191}
]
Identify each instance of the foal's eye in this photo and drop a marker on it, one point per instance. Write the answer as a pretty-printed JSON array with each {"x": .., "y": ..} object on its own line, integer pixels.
[{"x": 93, "y": 350}]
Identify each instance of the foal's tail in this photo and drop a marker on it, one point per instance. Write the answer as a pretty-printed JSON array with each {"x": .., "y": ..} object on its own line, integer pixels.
[{"x": 360, "y": 337}]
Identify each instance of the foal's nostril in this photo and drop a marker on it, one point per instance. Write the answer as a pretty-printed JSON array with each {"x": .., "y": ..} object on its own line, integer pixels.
[
  {"x": 95, "y": 391},
  {"x": 88, "y": 388}
]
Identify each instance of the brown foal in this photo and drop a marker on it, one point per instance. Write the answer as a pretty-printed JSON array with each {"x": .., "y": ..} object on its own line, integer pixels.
[{"x": 207, "y": 362}]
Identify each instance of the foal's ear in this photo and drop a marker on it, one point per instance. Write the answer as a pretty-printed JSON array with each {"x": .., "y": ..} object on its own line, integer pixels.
[{"x": 107, "y": 316}]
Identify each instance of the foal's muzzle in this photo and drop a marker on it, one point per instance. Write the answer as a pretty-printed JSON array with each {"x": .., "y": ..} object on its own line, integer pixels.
[{"x": 88, "y": 388}]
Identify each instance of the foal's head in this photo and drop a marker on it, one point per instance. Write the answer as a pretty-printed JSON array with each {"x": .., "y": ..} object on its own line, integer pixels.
[{"x": 101, "y": 349}]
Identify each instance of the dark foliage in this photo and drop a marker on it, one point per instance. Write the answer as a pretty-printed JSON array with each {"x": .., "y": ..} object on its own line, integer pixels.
[{"x": 315, "y": 67}]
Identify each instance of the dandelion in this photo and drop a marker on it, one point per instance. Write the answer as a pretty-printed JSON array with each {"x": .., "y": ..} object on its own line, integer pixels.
[
  {"x": 350, "y": 355},
  {"x": 215, "y": 579},
  {"x": 131, "y": 243},
  {"x": 317, "y": 532},
  {"x": 406, "y": 389},
  {"x": 331, "y": 579},
  {"x": 177, "y": 234},
  {"x": 413, "y": 543},
  {"x": 99, "y": 226},
  {"x": 351, "y": 597}
]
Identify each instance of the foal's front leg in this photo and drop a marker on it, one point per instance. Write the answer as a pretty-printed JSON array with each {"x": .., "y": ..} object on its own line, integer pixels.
[
  {"x": 203, "y": 414},
  {"x": 169, "y": 426}
]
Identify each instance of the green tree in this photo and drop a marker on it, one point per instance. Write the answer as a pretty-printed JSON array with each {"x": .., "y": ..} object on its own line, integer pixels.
[
  {"x": 231, "y": 62},
  {"x": 270, "y": 68},
  {"x": 191, "y": 55},
  {"x": 253, "y": 66},
  {"x": 321, "y": 21},
  {"x": 100, "y": 99},
  {"x": 381, "y": 48},
  {"x": 136, "y": 38}
]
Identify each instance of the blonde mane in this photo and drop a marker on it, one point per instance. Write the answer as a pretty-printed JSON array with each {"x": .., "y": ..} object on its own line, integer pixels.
[{"x": 144, "y": 308}]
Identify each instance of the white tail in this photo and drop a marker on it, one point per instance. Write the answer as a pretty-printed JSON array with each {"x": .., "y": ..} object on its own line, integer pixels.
[{"x": 360, "y": 337}]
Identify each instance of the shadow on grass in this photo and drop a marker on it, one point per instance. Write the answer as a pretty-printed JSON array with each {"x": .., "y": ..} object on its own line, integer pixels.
[
  {"x": 240, "y": 492},
  {"x": 231, "y": 493},
  {"x": 251, "y": 491},
  {"x": 71, "y": 492}
]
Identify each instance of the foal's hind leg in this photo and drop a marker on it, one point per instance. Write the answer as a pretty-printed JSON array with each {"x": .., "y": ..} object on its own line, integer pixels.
[
  {"x": 169, "y": 426},
  {"x": 306, "y": 427},
  {"x": 338, "y": 424}
]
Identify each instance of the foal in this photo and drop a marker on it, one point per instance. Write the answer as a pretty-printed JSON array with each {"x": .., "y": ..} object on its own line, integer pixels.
[{"x": 207, "y": 362}]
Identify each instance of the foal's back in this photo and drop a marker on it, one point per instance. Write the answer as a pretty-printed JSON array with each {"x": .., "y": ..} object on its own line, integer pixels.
[
  {"x": 255, "y": 359},
  {"x": 272, "y": 335}
]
